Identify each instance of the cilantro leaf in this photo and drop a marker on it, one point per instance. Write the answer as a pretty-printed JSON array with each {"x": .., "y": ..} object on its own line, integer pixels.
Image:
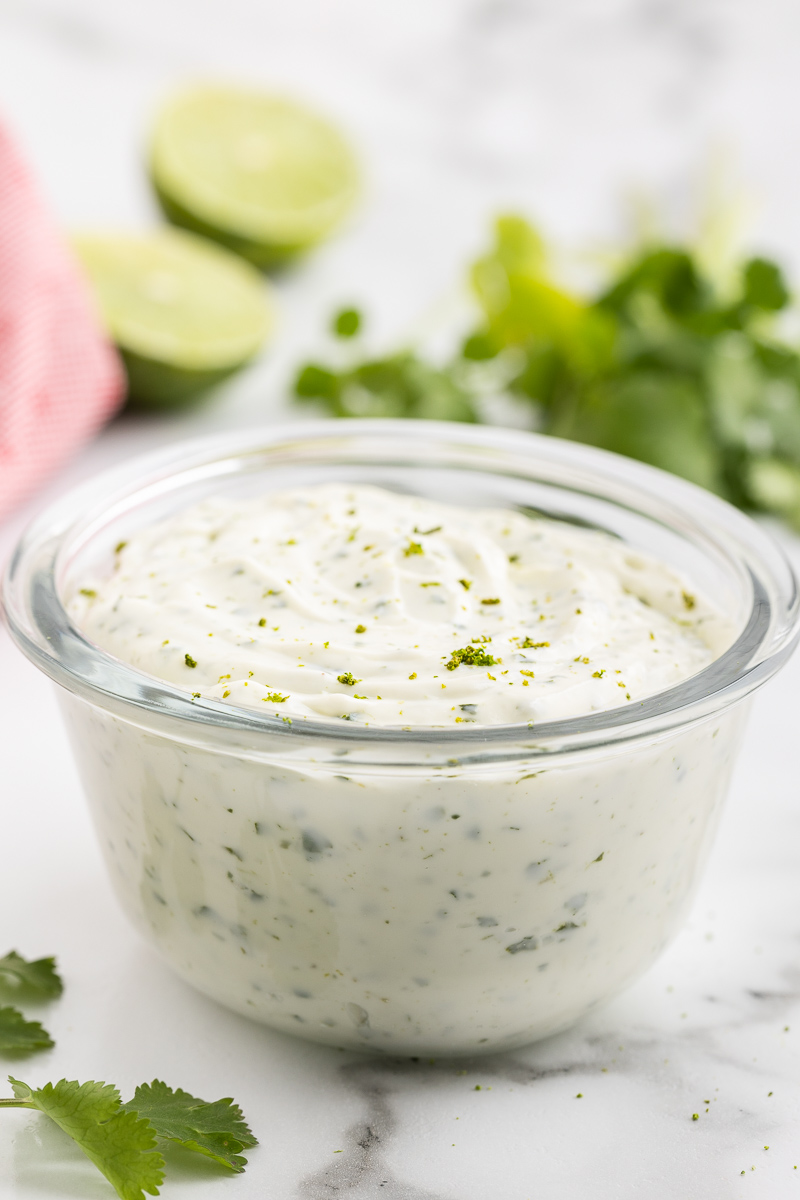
[
  {"x": 119, "y": 1143},
  {"x": 20, "y": 1036},
  {"x": 217, "y": 1130},
  {"x": 764, "y": 285},
  {"x": 36, "y": 976},
  {"x": 402, "y": 385}
]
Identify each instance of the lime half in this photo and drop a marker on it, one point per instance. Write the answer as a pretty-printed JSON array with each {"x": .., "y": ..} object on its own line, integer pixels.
[
  {"x": 184, "y": 312},
  {"x": 258, "y": 173}
]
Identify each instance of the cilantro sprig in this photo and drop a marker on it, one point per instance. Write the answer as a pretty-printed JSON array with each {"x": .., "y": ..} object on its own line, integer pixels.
[
  {"x": 123, "y": 1140},
  {"x": 19, "y": 1036},
  {"x": 121, "y": 1144},
  {"x": 663, "y": 362}
]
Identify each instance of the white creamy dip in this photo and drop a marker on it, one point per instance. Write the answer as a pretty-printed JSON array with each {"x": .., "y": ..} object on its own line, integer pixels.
[
  {"x": 405, "y": 900},
  {"x": 355, "y": 603}
]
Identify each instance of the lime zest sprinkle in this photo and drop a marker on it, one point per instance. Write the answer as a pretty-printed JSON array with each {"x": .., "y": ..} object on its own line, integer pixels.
[{"x": 470, "y": 656}]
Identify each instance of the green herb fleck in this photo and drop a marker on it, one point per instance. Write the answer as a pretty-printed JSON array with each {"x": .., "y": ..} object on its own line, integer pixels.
[
  {"x": 598, "y": 674},
  {"x": 491, "y": 600},
  {"x": 529, "y": 644},
  {"x": 347, "y": 679},
  {"x": 466, "y": 584},
  {"x": 428, "y": 532},
  {"x": 90, "y": 592},
  {"x": 120, "y": 546},
  {"x": 688, "y": 600},
  {"x": 274, "y": 698},
  {"x": 413, "y": 548},
  {"x": 263, "y": 622},
  {"x": 190, "y": 662},
  {"x": 361, "y": 629}
]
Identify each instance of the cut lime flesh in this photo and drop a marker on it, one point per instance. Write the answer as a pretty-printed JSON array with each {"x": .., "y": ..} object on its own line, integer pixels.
[
  {"x": 256, "y": 172},
  {"x": 184, "y": 312}
]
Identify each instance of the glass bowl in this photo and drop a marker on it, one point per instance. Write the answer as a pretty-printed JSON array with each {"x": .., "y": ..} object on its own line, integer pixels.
[{"x": 408, "y": 890}]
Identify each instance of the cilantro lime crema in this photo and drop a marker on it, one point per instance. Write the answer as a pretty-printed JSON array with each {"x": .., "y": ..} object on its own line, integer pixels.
[
  {"x": 411, "y": 902},
  {"x": 353, "y": 603}
]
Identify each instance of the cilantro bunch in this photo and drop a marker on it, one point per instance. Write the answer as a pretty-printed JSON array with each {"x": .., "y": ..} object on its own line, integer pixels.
[
  {"x": 122, "y": 1140},
  {"x": 661, "y": 365}
]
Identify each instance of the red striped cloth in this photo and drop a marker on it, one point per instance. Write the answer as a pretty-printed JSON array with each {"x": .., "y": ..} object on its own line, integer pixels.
[{"x": 59, "y": 378}]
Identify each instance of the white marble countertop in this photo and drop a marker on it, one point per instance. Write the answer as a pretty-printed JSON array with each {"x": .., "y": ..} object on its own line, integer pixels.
[{"x": 459, "y": 108}]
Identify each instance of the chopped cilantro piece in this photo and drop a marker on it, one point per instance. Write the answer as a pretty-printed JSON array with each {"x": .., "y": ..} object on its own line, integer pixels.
[
  {"x": 688, "y": 600},
  {"x": 413, "y": 548},
  {"x": 466, "y": 584},
  {"x": 190, "y": 662},
  {"x": 529, "y": 644},
  {"x": 491, "y": 600}
]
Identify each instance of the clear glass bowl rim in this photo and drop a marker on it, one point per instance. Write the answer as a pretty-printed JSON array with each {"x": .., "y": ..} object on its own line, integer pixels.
[{"x": 44, "y": 632}]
